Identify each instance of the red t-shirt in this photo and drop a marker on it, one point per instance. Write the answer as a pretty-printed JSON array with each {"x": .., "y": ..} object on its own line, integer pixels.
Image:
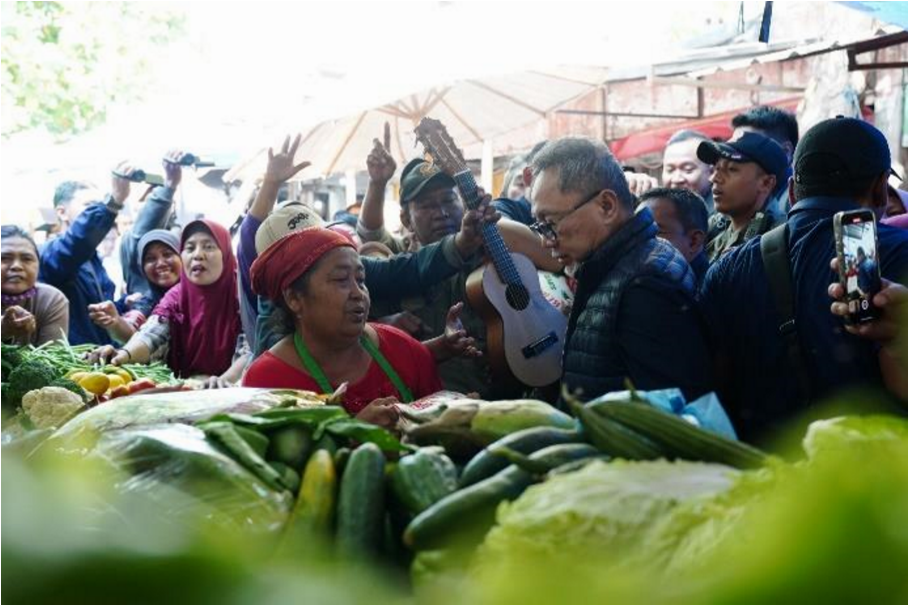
[{"x": 412, "y": 361}]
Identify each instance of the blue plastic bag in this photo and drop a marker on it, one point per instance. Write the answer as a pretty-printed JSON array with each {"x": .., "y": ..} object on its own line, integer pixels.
[{"x": 706, "y": 412}]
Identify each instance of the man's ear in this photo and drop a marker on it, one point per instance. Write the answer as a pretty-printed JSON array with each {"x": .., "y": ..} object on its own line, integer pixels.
[
  {"x": 697, "y": 241},
  {"x": 62, "y": 214},
  {"x": 769, "y": 183},
  {"x": 527, "y": 179},
  {"x": 610, "y": 204}
]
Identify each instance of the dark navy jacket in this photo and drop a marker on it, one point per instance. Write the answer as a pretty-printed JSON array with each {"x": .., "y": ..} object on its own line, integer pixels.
[
  {"x": 71, "y": 263},
  {"x": 757, "y": 385},
  {"x": 518, "y": 210}
]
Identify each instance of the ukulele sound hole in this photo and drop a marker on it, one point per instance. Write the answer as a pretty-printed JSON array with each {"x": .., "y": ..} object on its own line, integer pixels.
[{"x": 517, "y": 296}]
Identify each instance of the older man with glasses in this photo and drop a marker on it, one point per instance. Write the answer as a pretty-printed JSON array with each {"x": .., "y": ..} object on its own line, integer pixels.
[{"x": 634, "y": 316}]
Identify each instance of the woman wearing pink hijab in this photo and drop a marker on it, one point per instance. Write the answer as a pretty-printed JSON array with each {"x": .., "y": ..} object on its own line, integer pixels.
[{"x": 196, "y": 326}]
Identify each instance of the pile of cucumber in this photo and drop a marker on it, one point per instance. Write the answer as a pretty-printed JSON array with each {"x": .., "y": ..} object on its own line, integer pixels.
[{"x": 361, "y": 489}]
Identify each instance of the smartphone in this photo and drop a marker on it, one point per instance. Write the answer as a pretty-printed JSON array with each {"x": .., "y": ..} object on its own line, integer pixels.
[{"x": 859, "y": 262}]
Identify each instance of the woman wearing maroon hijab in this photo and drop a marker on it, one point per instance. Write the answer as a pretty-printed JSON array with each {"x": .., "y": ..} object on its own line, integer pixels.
[{"x": 196, "y": 326}]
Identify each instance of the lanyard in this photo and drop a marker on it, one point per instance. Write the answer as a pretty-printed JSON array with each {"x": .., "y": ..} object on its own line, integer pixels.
[{"x": 319, "y": 376}]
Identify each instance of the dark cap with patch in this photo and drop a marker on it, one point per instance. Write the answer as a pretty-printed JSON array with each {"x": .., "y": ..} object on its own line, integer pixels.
[
  {"x": 841, "y": 149},
  {"x": 749, "y": 147},
  {"x": 417, "y": 175}
]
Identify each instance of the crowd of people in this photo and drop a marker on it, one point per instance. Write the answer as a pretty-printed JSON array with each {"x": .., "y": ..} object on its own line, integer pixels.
[{"x": 665, "y": 284}]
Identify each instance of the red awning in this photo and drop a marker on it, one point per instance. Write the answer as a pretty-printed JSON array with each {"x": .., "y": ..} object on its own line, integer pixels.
[{"x": 655, "y": 139}]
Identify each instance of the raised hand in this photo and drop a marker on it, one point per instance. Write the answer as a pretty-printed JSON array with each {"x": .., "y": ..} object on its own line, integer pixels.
[
  {"x": 469, "y": 239},
  {"x": 18, "y": 322},
  {"x": 456, "y": 340},
  {"x": 892, "y": 302},
  {"x": 173, "y": 171},
  {"x": 640, "y": 183},
  {"x": 103, "y": 314},
  {"x": 280, "y": 165},
  {"x": 119, "y": 186},
  {"x": 380, "y": 163}
]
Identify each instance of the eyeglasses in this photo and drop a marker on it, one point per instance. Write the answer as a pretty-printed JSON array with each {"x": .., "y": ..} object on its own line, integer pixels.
[{"x": 547, "y": 229}]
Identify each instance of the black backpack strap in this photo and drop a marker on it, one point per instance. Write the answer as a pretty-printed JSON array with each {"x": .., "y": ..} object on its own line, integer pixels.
[{"x": 776, "y": 264}]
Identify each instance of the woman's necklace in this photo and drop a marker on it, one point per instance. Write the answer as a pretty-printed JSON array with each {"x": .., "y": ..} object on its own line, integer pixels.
[{"x": 17, "y": 299}]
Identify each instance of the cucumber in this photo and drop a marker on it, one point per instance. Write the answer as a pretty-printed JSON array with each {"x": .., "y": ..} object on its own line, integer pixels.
[
  {"x": 470, "y": 512},
  {"x": 613, "y": 438},
  {"x": 312, "y": 518},
  {"x": 466, "y": 512},
  {"x": 341, "y": 457},
  {"x": 422, "y": 479},
  {"x": 680, "y": 439},
  {"x": 318, "y": 494},
  {"x": 290, "y": 445},
  {"x": 226, "y": 436},
  {"x": 486, "y": 463},
  {"x": 548, "y": 458},
  {"x": 361, "y": 504}
]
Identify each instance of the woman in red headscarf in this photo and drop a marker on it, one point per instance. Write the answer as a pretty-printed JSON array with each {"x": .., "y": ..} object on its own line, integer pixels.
[
  {"x": 315, "y": 276},
  {"x": 196, "y": 326}
]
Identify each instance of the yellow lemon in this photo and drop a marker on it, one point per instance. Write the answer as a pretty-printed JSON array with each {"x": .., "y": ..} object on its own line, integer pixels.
[
  {"x": 95, "y": 383},
  {"x": 115, "y": 381}
]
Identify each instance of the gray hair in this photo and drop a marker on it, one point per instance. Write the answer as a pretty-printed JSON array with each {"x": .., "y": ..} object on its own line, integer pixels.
[
  {"x": 686, "y": 135},
  {"x": 584, "y": 165}
]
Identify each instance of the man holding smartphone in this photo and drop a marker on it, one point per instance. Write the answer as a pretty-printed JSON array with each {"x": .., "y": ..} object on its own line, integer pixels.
[{"x": 841, "y": 165}]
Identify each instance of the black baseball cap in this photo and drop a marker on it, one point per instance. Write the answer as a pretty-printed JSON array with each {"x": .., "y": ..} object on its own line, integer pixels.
[
  {"x": 840, "y": 149},
  {"x": 749, "y": 147},
  {"x": 417, "y": 175}
]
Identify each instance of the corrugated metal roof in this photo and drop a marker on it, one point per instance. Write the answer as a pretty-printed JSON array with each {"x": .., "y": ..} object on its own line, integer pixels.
[{"x": 704, "y": 62}]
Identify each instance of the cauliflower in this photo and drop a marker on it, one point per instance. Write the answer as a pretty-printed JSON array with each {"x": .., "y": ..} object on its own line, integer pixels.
[{"x": 51, "y": 407}]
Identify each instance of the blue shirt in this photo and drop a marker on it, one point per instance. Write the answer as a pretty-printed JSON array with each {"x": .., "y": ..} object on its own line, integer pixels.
[
  {"x": 71, "y": 264},
  {"x": 755, "y": 381},
  {"x": 517, "y": 210}
]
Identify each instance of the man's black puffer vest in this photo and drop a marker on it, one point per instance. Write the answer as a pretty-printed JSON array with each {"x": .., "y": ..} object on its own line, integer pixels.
[{"x": 592, "y": 362}]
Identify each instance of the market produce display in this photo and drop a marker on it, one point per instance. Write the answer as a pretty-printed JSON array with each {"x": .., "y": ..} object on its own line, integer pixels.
[
  {"x": 466, "y": 493},
  {"x": 58, "y": 364}
]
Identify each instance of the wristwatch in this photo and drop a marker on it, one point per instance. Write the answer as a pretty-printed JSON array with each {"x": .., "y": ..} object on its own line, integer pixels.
[{"x": 112, "y": 204}]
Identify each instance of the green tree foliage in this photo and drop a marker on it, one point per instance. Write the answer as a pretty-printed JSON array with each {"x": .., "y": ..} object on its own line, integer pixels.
[{"x": 63, "y": 64}]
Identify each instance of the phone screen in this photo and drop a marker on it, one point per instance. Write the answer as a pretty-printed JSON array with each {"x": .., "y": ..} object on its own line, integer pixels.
[{"x": 861, "y": 265}]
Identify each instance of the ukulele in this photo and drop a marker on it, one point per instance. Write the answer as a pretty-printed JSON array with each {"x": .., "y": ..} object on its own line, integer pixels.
[{"x": 525, "y": 333}]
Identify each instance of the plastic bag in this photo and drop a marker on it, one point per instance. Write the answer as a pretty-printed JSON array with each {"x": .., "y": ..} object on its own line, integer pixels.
[
  {"x": 179, "y": 406},
  {"x": 181, "y": 476}
]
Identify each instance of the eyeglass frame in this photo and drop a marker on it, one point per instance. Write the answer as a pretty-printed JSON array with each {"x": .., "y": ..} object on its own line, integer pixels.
[{"x": 547, "y": 229}]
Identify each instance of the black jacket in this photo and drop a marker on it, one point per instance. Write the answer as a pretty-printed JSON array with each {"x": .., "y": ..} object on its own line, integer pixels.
[{"x": 635, "y": 318}]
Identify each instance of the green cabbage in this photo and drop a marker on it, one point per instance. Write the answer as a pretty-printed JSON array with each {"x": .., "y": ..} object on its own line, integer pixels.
[
  {"x": 603, "y": 508},
  {"x": 848, "y": 432}
]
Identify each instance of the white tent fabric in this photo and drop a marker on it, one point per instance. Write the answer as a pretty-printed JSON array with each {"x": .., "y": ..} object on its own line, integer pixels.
[{"x": 474, "y": 110}]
